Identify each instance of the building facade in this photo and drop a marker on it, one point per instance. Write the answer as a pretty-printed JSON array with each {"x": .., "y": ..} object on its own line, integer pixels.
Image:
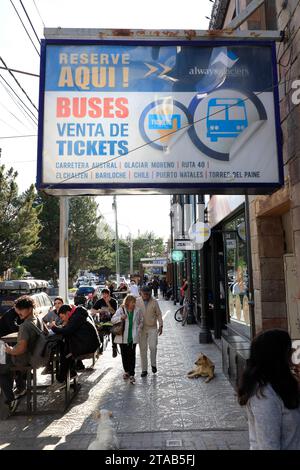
[{"x": 261, "y": 262}]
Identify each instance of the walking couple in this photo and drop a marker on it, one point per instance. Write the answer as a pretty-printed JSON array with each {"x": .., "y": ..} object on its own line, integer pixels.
[{"x": 141, "y": 315}]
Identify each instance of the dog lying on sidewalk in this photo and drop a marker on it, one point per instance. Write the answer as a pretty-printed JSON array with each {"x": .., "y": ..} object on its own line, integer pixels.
[
  {"x": 205, "y": 368},
  {"x": 106, "y": 435}
]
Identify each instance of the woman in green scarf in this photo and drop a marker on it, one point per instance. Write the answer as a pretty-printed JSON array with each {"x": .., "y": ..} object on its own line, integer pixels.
[{"x": 133, "y": 323}]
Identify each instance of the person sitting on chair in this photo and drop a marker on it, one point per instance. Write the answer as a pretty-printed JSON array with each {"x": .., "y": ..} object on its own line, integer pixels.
[
  {"x": 19, "y": 355},
  {"x": 106, "y": 307},
  {"x": 79, "y": 331}
]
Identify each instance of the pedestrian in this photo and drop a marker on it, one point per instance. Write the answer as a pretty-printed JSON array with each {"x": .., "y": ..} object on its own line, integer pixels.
[
  {"x": 133, "y": 318},
  {"x": 155, "y": 286},
  {"x": 20, "y": 354},
  {"x": 269, "y": 390},
  {"x": 49, "y": 318},
  {"x": 183, "y": 290},
  {"x": 152, "y": 328},
  {"x": 112, "y": 288},
  {"x": 134, "y": 290},
  {"x": 164, "y": 287},
  {"x": 105, "y": 308}
]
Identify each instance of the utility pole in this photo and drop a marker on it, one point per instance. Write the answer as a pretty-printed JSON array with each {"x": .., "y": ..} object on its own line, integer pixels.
[
  {"x": 114, "y": 205},
  {"x": 64, "y": 248}
]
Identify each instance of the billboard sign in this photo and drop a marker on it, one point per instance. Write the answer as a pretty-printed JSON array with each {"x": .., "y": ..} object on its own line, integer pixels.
[{"x": 121, "y": 116}]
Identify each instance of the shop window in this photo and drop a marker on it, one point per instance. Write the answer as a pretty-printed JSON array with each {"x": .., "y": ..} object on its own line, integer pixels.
[{"x": 237, "y": 272}]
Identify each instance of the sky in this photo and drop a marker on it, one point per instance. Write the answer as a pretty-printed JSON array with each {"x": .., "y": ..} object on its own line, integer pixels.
[{"x": 135, "y": 213}]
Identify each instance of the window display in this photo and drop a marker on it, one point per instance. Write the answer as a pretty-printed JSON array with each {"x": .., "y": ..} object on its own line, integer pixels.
[{"x": 237, "y": 270}]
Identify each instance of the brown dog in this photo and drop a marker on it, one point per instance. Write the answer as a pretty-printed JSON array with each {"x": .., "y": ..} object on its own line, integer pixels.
[{"x": 205, "y": 368}]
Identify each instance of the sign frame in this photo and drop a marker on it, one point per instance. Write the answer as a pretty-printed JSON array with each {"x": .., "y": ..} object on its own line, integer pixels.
[{"x": 68, "y": 189}]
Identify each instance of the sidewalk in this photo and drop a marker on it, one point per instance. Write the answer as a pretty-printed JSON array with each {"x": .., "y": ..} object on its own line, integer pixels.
[{"x": 162, "y": 411}]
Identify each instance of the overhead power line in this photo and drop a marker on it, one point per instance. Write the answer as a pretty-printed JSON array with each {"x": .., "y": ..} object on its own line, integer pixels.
[
  {"x": 30, "y": 22},
  {"x": 39, "y": 13},
  {"x": 10, "y": 112},
  {"x": 18, "y": 161},
  {"x": 31, "y": 115},
  {"x": 18, "y": 104},
  {"x": 9, "y": 125},
  {"x": 19, "y": 71},
  {"x": 19, "y": 85},
  {"x": 24, "y": 27},
  {"x": 16, "y": 136}
]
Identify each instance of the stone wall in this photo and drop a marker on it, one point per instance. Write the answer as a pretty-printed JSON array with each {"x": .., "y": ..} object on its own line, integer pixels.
[
  {"x": 267, "y": 245},
  {"x": 288, "y": 53}
]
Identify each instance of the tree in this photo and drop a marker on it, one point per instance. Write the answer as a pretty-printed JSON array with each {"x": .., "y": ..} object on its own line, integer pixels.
[
  {"x": 86, "y": 249},
  {"x": 90, "y": 243},
  {"x": 43, "y": 263},
  {"x": 146, "y": 245},
  {"x": 19, "y": 223}
]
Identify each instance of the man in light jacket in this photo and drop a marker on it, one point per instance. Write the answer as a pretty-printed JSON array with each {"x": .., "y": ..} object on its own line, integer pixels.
[{"x": 152, "y": 327}]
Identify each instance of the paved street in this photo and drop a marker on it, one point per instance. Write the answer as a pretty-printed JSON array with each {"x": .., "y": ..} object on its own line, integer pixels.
[{"x": 162, "y": 411}]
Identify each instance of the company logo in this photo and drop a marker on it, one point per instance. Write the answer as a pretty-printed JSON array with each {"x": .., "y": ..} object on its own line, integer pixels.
[
  {"x": 228, "y": 59},
  {"x": 158, "y": 68}
]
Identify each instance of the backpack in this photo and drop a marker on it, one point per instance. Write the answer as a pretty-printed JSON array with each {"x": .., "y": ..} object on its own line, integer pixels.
[{"x": 44, "y": 346}]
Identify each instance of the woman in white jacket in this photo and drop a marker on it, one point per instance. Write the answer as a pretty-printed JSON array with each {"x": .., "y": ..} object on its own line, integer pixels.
[{"x": 133, "y": 318}]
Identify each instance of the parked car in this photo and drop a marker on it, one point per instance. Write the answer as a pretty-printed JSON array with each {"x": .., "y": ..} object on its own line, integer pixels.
[
  {"x": 86, "y": 290},
  {"x": 12, "y": 290}
]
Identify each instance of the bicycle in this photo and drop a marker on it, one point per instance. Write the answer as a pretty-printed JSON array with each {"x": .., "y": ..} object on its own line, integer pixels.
[{"x": 181, "y": 313}]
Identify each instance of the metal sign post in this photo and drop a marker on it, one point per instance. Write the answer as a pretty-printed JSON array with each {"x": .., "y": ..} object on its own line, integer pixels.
[{"x": 64, "y": 248}]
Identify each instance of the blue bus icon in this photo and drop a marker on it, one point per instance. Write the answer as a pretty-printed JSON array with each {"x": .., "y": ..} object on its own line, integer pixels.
[{"x": 226, "y": 117}]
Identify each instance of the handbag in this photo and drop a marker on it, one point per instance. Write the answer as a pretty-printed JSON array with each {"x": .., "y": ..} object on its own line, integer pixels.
[{"x": 118, "y": 328}]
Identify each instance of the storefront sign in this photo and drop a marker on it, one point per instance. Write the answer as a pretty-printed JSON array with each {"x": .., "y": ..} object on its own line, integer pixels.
[
  {"x": 199, "y": 232},
  {"x": 187, "y": 245},
  {"x": 177, "y": 256},
  {"x": 122, "y": 116}
]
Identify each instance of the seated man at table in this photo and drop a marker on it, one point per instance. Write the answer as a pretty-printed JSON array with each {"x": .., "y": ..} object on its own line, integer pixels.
[
  {"x": 9, "y": 322},
  {"x": 19, "y": 355},
  {"x": 80, "y": 334}
]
